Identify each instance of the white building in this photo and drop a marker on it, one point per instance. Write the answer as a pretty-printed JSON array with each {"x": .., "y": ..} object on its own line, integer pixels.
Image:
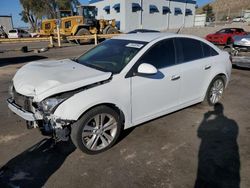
[
  {"x": 246, "y": 15},
  {"x": 200, "y": 20},
  {"x": 147, "y": 14},
  {"x": 6, "y": 22}
]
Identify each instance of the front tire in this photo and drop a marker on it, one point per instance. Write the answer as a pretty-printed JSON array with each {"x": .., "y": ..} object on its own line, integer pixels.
[
  {"x": 97, "y": 130},
  {"x": 215, "y": 91}
]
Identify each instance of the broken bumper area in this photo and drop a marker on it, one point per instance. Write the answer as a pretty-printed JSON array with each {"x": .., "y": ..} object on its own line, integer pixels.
[
  {"x": 57, "y": 128},
  {"x": 28, "y": 116}
]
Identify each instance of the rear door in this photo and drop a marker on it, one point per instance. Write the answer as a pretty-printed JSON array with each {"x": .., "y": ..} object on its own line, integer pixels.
[{"x": 195, "y": 69}]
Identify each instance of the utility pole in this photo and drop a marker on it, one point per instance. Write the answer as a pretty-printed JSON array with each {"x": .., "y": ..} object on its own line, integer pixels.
[
  {"x": 184, "y": 14},
  {"x": 228, "y": 13},
  {"x": 141, "y": 14},
  {"x": 169, "y": 14}
]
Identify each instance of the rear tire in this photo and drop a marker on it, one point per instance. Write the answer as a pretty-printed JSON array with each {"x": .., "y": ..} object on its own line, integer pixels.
[
  {"x": 97, "y": 130},
  {"x": 215, "y": 91},
  {"x": 82, "y": 32}
]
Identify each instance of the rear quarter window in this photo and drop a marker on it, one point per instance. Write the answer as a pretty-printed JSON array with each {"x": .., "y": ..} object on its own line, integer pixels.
[{"x": 208, "y": 51}]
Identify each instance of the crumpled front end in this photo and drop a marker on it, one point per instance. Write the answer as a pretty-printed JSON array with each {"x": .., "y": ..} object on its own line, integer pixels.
[{"x": 36, "y": 116}]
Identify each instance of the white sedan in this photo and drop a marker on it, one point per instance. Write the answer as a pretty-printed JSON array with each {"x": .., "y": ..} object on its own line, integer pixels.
[
  {"x": 18, "y": 33},
  {"x": 239, "y": 19},
  {"x": 120, "y": 83}
]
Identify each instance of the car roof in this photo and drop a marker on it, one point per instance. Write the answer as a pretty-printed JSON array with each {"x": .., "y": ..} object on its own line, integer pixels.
[
  {"x": 145, "y": 37},
  {"x": 232, "y": 28},
  {"x": 143, "y": 31}
]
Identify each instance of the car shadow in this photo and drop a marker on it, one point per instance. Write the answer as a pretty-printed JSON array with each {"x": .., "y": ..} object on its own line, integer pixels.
[
  {"x": 124, "y": 134},
  {"x": 33, "y": 167},
  {"x": 219, "y": 160},
  {"x": 17, "y": 60}
]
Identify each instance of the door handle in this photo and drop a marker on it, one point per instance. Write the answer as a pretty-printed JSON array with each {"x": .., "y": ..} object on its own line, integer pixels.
[
  {"x": 207, "y": 67},
  {"x": 175, "y": 77}
]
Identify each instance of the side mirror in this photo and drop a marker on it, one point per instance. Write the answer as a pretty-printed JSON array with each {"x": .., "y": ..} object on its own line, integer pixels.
[{"x": 146, "y": 69}]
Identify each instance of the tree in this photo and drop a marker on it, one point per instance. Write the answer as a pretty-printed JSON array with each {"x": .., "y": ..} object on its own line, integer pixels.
[
  {"x": 34, "y": 10},
  {"x": 208, "y": 9}
]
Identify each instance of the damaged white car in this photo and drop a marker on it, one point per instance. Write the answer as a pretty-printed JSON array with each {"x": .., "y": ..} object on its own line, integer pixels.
[{"x": 120, "y": 83}]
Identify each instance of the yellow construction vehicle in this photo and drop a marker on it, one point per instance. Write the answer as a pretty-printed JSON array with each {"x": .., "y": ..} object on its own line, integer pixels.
[
  {"x": 84, "y": 23},
  {"x": 48, "y": 27}
]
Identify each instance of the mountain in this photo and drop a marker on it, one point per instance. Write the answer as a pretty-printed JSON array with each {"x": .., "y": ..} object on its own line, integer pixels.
[{"x": 231, "y": 8}]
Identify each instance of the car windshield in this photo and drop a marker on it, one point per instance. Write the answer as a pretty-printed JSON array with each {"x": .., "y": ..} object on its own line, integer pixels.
[{"x": 111, "y": 55}]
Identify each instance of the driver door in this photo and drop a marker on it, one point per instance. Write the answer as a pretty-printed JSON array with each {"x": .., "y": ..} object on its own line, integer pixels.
[{"x": 156, "y": 95}]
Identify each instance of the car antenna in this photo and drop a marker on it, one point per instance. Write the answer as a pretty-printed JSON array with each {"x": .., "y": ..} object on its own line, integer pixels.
[{"x": 179, "y": 30}]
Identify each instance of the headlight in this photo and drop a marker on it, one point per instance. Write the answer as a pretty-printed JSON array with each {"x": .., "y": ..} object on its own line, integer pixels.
[{"x": 49, "y": 104}]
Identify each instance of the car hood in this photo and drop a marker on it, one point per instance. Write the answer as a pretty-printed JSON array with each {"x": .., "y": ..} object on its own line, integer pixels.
[{"x": 41, "y": 79}]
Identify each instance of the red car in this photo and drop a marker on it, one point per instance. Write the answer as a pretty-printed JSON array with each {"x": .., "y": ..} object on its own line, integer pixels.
[{"x": 225, "y": 36}]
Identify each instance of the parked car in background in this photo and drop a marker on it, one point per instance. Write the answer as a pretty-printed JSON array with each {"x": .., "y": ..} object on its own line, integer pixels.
[
  {"x": 239, "y": 19},
  {"x": 18, "y": 33},
  {"x": 242, "y": 42},
  {"x": 225, "y": 36},
  {"x": 122, "y": 82}
]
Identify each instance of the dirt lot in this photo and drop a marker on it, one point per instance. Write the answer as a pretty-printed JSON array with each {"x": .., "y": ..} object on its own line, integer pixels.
[{"x": 166, "y": 152}]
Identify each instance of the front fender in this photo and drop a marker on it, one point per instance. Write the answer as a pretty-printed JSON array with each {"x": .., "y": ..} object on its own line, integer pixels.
[{"x": 114, "y": 92}]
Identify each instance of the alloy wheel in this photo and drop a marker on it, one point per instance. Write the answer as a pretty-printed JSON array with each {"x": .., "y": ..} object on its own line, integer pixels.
[
  {"x": 216, "y": 91},
  {"x": 99, "y": 132}
]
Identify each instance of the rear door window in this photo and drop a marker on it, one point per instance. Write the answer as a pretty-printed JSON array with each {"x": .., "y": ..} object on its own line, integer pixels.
[{"x": 191, "y": 49}]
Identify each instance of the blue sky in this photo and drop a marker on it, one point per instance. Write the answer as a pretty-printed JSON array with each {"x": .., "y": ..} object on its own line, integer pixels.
[{"x": 13, "y": 7}]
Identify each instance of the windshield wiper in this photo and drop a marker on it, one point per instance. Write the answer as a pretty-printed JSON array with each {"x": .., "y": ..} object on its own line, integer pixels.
[{"x": 74, "y": 59}]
